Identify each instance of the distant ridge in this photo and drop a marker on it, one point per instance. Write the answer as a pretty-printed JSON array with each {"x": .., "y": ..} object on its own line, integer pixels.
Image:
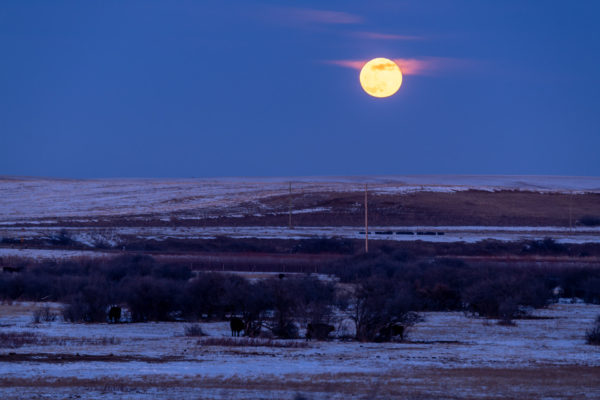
[{"x": 460, "y": 182}]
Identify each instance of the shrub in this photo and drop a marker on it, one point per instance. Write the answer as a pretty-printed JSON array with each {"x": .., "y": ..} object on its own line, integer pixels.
[
  {"x": 507, "y": 310},
  {"x": 203, "y": 296},
  {"x": 589, "y": 220},
  {"x": 194, "y": 330},
  {"x": 151, "y": 299},
  {"x": 87, "y": 306},
  {"x": 379, "y": 303},
  {"x": 546, "y": 246},
  {"x": 43, "y": 314},
  {"x": 62, "y": 238},
  {"x": 591, "y": 290},
  {"x": 592, "y": 336}
]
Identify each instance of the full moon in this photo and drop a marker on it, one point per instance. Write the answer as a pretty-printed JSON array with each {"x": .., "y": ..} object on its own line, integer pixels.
[{"x": 380, "y": 77}]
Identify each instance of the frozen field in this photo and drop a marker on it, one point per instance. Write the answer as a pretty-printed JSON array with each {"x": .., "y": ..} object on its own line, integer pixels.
[
  {"x": 91, "y": 237},
  {"x": 115, "y": 237},
  {"x": 446, "y": 356},
  {"x": 40, "y": 200}
]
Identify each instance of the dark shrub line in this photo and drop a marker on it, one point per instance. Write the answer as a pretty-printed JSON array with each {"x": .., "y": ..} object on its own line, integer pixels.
[{"x": 381, "y": 292}]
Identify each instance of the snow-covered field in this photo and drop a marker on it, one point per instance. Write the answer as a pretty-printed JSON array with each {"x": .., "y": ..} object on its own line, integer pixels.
[
  {"x": 447, "y": 350},
  {"x": 109, "y": 213},
  {"x": 41, "y": 200},
  {"x": 92, "y": 237}
]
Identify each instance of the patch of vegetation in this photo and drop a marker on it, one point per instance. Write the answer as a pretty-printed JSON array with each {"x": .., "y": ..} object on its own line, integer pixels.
[
  {"x": 593, "y": 335},
  {"x": 194, "y": 330},
  {"x": 250, "y": 342},
  {"x": 382, "y": 292},
  {"x": 589, "y": 220},
  {"x": 43, "y": 314}
]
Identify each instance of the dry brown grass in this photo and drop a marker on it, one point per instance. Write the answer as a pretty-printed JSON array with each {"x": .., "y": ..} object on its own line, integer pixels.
[
  {"x": 549, "y": 381},
  {"x": 13, "y": 340},
  {"x": 470, "y": 207},
  {"x": 60, "y": 358},
  {"x": 251, "y": 342}
]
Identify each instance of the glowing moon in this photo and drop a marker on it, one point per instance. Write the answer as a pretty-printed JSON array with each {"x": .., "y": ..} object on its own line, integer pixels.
[{"x": 380, "y": 77}]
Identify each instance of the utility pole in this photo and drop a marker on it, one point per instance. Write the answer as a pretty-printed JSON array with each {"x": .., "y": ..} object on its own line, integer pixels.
[
  {"x": 366, "y": 222},
  {"x": 290, "y": 207},
  {"x": 571, "y": 211}
]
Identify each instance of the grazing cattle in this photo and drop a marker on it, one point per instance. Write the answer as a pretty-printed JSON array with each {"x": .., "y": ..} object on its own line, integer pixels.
[
  {"x": 237, "y": 325},
  {"x": 114, "y": 314},
  {"x": 318, "y": 331},
  {"x": 391, "y": 331}
]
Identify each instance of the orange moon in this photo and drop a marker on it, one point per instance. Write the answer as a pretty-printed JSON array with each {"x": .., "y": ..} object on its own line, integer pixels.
[{"x": 380, "y": 77}]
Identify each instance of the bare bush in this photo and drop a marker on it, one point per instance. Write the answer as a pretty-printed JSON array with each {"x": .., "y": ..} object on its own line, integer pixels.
[
  {"x": 89, "y": 305},
  {"x": 62, "y": 238},
  {"x": 43, "y": 314},
  {"x": 592, "y": 336},
  {"x": 151, "y": 299},
  {"x": 379, "y": 303},
  {"x": 194, "y": 330}
]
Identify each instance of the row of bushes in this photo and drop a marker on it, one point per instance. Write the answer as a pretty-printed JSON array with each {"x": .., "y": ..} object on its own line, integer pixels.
[
  {"x": 504, "y": 292},
  {"x": 221, "y": 244},
  {"x": 153, "y": 291},
  {"x": 377, "y": 290}
]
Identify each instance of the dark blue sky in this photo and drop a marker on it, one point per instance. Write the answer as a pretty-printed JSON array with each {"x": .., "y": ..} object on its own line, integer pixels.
[{"x": 250, "y": 88}]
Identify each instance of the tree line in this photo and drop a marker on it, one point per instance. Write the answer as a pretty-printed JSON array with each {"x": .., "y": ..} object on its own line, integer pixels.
[{"x": 377, "y": 291}]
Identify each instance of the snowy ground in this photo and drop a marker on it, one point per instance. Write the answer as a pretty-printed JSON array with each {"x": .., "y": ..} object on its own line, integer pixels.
[
  {"x": 450, "y": 234},
  {"x": 39, "y": 200},
  {"x": 115, "y": 238},
  {"x": 446, "y": 356},
  {"x": 109, "y": 213}
]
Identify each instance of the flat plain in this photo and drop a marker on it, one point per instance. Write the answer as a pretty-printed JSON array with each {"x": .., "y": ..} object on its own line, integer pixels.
[
  {"x": 264, "y": 227},
  {"x": 447, "y": 356}
]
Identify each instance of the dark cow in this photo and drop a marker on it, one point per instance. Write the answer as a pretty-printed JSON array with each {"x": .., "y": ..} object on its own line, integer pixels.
[
  {"x": 318, "y": 331},
  {"x": 114, "y": 314},
  {"x": 391, "y": 331},
  {"x": 237, "y": 325}
]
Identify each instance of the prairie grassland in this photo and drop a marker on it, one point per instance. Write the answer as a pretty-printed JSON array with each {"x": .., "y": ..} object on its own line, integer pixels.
[
  {"x": 396, "y": 200},
  {"x": 448, "y": 356}
]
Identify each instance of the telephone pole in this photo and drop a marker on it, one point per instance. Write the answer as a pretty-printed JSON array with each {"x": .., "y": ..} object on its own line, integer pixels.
[
  {"x": 571, "y": 211},
  {"x": 290, "y": 207},
  {"x": 366, "y": 222}
]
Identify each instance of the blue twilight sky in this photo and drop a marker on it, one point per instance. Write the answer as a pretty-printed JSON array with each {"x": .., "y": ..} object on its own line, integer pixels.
[{"x": 249, "y": 88}]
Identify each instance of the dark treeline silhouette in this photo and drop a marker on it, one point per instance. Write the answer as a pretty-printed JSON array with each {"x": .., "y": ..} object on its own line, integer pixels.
[
  {"x": 349, "y": 247},
  {"x": 593, "y": 335},
  {"x": 444, "y": 284},
  {"x": 152, "y": 291},
  {"x": 590, "y": 220},
  {"x": 382, "y": 291}
]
